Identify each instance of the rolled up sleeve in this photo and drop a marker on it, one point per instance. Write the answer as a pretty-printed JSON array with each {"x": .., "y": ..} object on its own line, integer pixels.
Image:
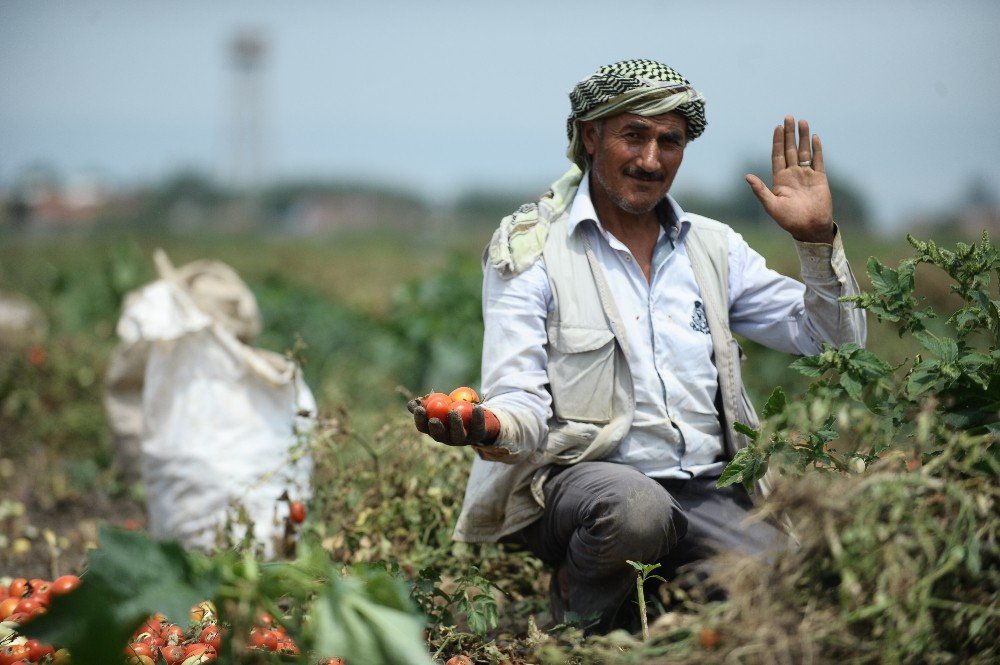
[
  {"x": 792, "y": 316},
  {"x": 514, "y": 377}
]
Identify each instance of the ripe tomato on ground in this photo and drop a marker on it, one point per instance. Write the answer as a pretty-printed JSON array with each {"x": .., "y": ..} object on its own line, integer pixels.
[
  {"x": 212, "y": 635},
  {"x": 708, "y": 638},
  {"x": 201, "y": 653},
  {"x": 13, "y": 653},
  {"x": 7, "y": 606},
  {"x": 172, "y": 654},
  {"x": 17, "y": 587},
  {"x": 459, "y": 660},
  {"x": 297, "y": 511},
  {"x": 37, "y": 649},
  {"x": 63, "y": 585},
  {"x": 263, "y": 638}
]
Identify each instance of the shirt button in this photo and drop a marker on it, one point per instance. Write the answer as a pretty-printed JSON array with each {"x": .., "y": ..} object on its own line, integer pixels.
[{"x": 628, "y": 258}]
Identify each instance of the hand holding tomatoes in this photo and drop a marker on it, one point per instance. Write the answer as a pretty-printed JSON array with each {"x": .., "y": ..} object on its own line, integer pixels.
[{"x": 456, "y": 419}]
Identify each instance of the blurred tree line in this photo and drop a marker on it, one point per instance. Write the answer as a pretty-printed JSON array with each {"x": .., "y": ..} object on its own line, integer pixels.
[{"x": 189, "y": 201}]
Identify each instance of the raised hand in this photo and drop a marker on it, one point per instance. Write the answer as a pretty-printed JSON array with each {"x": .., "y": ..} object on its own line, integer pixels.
[{"x": 800, "y": 200}]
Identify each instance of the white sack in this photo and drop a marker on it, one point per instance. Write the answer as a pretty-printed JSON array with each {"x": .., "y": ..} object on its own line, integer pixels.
[{"x": 220, "y": 420}]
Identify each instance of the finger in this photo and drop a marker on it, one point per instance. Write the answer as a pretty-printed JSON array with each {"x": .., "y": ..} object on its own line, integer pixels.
[
  {"x": 437, "y": 430},
  {"x": 805, "y": 154},
  {"x": 456, "y": 430},
  {"x": 420, "y": 419},
  {"x": 477, "y": 424},
  {"x": 818, "y": 164},
  {"x": 777, "y": 151},
  {"x": 413, "y": 404},
  {"x": 791, "y": 154},
  {"x": 760, "y": 190}
]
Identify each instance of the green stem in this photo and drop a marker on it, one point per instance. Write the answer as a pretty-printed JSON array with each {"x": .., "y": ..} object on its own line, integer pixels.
[{"x": 642, "y": 607}]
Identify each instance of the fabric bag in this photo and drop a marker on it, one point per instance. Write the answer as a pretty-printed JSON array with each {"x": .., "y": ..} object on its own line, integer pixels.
[{"x": 220, "y": 426}]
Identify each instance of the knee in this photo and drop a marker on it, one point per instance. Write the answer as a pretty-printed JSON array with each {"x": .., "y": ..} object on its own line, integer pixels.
[{"x": 640, "y": 522}]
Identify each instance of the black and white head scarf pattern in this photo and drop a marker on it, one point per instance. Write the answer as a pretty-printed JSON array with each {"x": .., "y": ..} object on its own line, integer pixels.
[{"x": 643, "y": 87}]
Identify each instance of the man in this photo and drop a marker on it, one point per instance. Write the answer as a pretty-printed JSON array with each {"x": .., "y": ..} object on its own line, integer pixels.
[{"x": 610, "y": 374}]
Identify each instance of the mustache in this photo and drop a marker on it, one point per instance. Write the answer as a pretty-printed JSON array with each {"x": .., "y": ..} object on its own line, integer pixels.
[{"x": 642, "y": 174}]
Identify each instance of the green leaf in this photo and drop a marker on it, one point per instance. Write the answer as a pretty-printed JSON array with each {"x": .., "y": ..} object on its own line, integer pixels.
[
  {"x": 810, "y": 366},
  {"x": 733, "y": 473},
  {"x": 852, "y": 386},
  {"x": 775, "y": 403},
  {"x": 346, "y": 621},
  {"x": 746, "y": 431}
]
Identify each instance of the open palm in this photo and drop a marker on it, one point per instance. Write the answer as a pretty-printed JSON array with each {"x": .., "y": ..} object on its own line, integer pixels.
[{"x": 799, "y": 200}]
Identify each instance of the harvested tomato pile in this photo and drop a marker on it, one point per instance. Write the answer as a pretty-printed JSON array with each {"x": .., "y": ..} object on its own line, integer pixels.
[
  {"x": 156, "y": 642},
  {"x": 22, "y": 600}
]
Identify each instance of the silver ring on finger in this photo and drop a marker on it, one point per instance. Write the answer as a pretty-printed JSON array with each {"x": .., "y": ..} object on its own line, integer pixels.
[{"x": 806, "y": 163}]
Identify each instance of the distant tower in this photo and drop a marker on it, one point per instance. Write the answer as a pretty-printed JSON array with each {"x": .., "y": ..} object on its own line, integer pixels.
[{"x": 247, "y": 51}]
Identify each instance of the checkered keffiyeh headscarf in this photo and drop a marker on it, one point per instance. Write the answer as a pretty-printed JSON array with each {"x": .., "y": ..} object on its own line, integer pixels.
[{"x": 643, "y": 87}]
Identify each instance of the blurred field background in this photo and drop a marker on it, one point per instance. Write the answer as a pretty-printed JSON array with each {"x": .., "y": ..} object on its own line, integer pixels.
[{"x": 375, "y": 314}]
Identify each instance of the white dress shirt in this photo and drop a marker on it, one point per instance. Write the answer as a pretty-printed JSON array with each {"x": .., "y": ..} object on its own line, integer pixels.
[{"x": 676, "y": 432}]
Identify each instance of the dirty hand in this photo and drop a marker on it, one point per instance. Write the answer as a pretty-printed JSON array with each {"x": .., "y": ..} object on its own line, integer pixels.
[
  {"x": 800, "y": 200},
  {"x": 482, "y": 430}
]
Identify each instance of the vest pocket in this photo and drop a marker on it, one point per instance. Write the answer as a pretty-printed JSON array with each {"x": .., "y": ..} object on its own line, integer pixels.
[{"x": 581, "y": 373}]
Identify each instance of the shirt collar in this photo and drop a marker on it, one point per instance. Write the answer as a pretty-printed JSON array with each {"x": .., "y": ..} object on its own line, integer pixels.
[{"x": 676, "y": 221}]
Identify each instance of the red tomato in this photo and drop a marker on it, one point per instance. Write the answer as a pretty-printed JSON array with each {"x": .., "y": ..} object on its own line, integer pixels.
[
  {"x": 7, "y": 606},
  {"x": 464, "y": 409},
  {"x": 708, "y": 638},
  {"x": 12, "y": 653},
  {"x": 139, "y": 649},
  {"x": 334, "y": 661},
  {"x": 212, "y": 635},
  {"x": 172, "y": 634},
  {"x": 18, "y": 587},
  {"x": 263, "y": 638},
  {"x": 200, "y": 650},
  {"x": 438, "y": 408},
  {"x": 63, "y": 585},
  {"x": 297, "y": 511},
  {"x": 37, "y": 649},
  {"x": 464, "y": 394},
  {"x": 429, "y": 396},
  {"x": 40, "y": 590},
  {"x": 459, "y": 660},
  {"x": 172, "y": 654},
  {"x": 28, "y": 605}
]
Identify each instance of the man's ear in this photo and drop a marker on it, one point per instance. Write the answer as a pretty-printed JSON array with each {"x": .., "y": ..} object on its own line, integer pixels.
[{"x": 590, "y": 135}]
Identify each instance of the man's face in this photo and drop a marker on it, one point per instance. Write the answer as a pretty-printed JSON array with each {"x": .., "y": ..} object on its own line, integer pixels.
[{"x": 635, "y": 159}]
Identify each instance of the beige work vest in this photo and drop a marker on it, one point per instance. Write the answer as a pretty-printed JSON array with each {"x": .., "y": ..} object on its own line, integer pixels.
[
  {"x": 588, "y": 364},
  {"x": 590, "y": 382}
]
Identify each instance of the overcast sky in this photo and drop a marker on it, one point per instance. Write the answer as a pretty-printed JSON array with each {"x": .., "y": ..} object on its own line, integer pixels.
[{"x": 443, "y": 96}]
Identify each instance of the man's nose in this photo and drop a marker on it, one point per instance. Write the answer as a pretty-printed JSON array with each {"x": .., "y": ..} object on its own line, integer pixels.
[{"x": 649, "y": 156}]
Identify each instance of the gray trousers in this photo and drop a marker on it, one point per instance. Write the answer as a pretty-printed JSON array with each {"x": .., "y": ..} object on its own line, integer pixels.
[{"x": 598, "y": 515}]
